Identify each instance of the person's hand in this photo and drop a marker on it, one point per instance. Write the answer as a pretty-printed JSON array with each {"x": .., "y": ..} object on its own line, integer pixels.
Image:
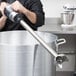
[
  {"x": 3, "y": 17},
  {"x": 17, "y": 6},
  {"x": 2, "y": 7}
]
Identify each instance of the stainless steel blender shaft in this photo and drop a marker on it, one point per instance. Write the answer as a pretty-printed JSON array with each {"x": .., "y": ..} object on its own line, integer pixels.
[
  {"x": 60, "y": 58},
  {"x": 42, "y": 42}
]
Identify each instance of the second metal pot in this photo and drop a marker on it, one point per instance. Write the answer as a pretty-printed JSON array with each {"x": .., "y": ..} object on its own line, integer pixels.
[{"x": 67, "y": 18}]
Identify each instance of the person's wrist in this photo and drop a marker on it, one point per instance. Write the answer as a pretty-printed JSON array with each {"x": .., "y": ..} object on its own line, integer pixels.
[
  {"x": 2, "y": 21},
  {"x": 25, "y": 11}
]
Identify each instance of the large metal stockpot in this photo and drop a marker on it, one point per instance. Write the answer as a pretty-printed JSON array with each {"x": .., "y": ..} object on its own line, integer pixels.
[{"x": 22, "y": 55}]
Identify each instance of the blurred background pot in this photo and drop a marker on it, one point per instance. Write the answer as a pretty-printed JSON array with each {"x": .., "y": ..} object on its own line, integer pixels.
[{"x": 67, "y": 17}]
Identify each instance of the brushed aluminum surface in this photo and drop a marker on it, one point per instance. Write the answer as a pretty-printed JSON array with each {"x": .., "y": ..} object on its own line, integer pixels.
[{"x": 22, "y": 55}]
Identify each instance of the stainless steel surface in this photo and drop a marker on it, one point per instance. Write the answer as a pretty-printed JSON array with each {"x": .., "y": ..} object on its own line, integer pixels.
[
  {"x": 67, "y": 18},
  {"x": 22, "y": 55}
]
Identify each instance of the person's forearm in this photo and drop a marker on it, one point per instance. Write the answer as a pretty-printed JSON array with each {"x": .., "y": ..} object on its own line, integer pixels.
[
  {"x": 2, "y": 21},
  {"x": 30, "y": 15}
]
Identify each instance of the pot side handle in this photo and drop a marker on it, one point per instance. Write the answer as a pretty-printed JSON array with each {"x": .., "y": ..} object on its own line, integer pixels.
[{"x": 59, "y": 42}]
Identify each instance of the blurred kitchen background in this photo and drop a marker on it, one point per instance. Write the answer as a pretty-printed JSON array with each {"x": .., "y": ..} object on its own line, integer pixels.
[{"x": 53, "y": 10}]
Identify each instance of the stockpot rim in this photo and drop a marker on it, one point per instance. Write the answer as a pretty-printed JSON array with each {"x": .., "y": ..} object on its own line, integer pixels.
[{"x": 22, "y": 31}]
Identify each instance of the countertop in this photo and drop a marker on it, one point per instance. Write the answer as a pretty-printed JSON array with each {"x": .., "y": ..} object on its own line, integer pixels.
[{"x": 57, "y": 29}]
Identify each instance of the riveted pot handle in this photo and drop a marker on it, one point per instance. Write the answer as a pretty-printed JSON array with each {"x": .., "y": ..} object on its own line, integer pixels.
[{"x": 60, "y": 42}]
